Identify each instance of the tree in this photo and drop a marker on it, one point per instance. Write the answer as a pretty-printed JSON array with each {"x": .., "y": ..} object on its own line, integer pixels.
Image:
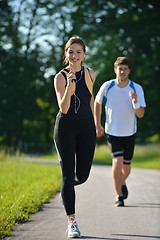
[
  {"x": 120, "y": 28},
  {"x": 32, "y": 38},
  {"x": 33, "y": 46}
]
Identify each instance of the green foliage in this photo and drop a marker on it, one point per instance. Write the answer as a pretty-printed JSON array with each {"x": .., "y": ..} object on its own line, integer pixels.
[
  {"x": 155, "y": 138},
  {"x": 121, "y": 28},
  {"x": 32, "y": 37},
  {"x": 24, "y": 187}
]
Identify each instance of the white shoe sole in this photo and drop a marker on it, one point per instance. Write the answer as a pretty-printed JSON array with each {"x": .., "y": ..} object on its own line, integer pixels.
[{"x": 76, "y": 235}]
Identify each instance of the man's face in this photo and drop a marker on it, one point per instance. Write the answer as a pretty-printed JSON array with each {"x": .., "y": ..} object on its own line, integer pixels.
[{"x": 122, "y": 72}]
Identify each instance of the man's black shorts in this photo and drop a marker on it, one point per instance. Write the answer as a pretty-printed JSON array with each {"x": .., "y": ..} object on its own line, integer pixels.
[{"x": 122, "y": 146}]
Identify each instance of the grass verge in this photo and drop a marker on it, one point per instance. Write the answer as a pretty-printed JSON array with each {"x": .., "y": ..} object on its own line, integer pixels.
[
  {"x": 24, "y": 187},
  {"x": 147, "y": 156}
]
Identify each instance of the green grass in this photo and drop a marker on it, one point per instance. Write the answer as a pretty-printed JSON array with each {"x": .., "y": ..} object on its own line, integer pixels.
[
  {"x": 102, "y": 155},
  {"x": 147, "y": 156},
  {"x": 24, "y": 187}
]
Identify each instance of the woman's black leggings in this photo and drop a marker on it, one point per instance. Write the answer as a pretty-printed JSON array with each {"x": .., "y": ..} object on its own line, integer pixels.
[{"x": 75, "y": 143}]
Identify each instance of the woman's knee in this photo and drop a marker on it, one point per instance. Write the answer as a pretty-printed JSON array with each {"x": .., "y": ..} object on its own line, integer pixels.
[{"x": 81, "y": 179}]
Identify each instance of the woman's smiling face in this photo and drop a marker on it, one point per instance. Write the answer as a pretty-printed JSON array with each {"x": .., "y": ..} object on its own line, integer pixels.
[{"x": 75, "y": 54}]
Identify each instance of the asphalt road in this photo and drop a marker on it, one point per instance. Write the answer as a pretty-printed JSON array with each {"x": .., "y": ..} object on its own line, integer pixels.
[{"x": 96, "y": 215}]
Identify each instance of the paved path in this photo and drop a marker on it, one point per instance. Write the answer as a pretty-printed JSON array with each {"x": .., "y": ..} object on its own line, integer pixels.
[{"x": 96, "y": 215}]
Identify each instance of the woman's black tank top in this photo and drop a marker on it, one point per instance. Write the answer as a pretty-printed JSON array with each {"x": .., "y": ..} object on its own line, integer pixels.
[{"x": 80, "y": 100}]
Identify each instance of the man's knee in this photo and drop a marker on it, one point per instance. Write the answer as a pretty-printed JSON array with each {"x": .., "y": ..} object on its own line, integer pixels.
[{"x": 126, "y": 168}]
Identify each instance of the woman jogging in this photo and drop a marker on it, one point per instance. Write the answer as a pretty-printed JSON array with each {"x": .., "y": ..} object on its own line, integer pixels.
[{"x": 74, "y": 133}]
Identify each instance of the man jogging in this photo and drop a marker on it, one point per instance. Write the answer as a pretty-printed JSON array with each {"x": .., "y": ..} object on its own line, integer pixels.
[{"x": 124, "y": 102}]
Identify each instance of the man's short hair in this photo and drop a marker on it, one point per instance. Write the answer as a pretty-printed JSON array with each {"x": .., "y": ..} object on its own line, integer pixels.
[{"x": 122, "y": 61}]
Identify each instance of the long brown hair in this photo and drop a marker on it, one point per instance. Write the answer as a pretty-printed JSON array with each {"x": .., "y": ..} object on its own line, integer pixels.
[{"x": 72, "y": 40}]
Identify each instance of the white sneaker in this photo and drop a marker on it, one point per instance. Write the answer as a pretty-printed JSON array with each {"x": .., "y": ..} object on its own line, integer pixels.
[{"x": 73, "y": 231}]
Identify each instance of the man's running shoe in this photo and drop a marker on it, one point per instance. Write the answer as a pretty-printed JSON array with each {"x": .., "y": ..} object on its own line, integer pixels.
[
  {"x": 119, "y": 201},
  {"x": 73, "y": 231},
  {"x": 124, "y": 191}
]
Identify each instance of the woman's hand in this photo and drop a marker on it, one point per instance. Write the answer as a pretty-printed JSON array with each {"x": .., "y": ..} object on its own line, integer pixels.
[{"x": 71, "y": 77}]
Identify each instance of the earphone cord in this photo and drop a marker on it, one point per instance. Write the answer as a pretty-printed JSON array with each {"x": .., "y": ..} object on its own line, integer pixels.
[
  {"x": 76, "y": 99},
  {"x": 77, "y": 103}
]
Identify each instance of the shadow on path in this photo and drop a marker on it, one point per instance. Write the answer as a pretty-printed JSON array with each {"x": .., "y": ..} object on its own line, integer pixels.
[
  {"x": 101, "y": 238},
  {"x": 144, "y": 205},
  {"x": 137, "y": 235}
]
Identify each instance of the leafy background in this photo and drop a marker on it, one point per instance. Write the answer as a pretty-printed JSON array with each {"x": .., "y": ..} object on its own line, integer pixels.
[{"x": 32, "y": 38}]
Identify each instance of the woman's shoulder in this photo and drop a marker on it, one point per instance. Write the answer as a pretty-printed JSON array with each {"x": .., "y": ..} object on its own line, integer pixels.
[
  {"x": 89, "y": 69},
  {"x": 91, "y": 73},
  {"x": 61, "y": 74},
  {"x": 60, "y": 77}
]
